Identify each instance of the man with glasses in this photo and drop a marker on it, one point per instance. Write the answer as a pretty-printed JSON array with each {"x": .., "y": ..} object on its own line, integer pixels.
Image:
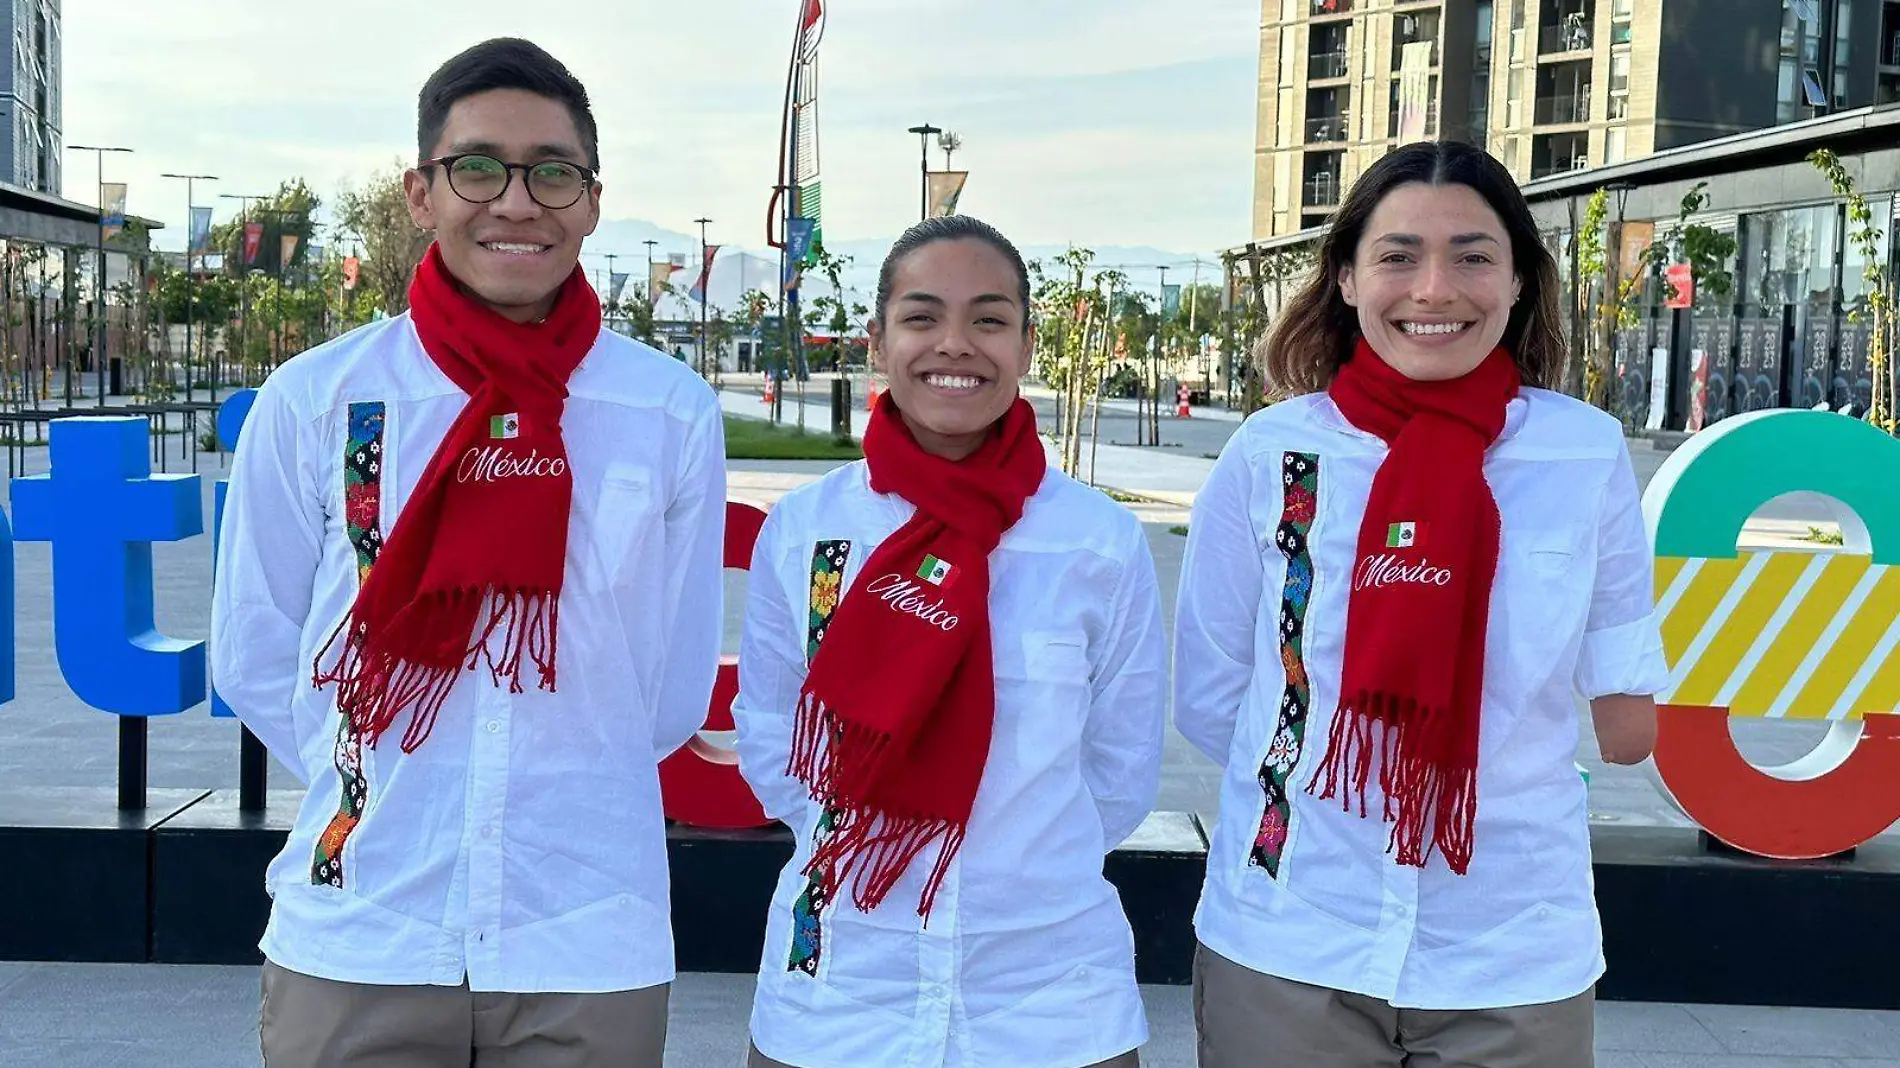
[{"x": 469, "y": 590}]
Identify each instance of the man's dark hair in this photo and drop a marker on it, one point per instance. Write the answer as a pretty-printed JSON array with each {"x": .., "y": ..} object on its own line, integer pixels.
[{"x": 502, "y": 63}]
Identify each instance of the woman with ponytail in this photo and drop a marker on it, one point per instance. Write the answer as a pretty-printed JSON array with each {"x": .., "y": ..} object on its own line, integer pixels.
[{"x": 952, "y": 687}]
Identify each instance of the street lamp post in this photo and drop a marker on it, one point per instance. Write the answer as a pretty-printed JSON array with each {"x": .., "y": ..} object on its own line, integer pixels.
[
  {"x": 1161, "y": 330},
  {"x": 243, "y": 275},
  {"x": 99, "y": 342},
  {"x": 1612, "y": 310},
  {"x": 705, "y": 299},
  {"x": 253, "y": 757},
  {"x": 923, "y": 133},
  {"x": 191, "y": 283},
  {"x": 612, "y": 298},
  {"x": 277, "y": 329}
]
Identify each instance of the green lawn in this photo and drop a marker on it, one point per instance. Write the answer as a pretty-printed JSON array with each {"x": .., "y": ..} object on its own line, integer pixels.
[{"x": 756, "y": 439}]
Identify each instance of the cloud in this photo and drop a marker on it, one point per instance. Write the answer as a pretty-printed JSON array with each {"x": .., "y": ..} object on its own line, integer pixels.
[{"x": 1093, "y": 122}]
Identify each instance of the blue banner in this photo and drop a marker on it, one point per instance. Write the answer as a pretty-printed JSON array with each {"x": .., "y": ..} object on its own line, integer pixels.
[
  {"x": 200, "y": 230},
  {"x": 798, "y": 236}
]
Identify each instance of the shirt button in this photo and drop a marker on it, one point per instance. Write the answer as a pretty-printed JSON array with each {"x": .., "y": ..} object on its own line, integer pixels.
[{"x": 494, "y": 726}]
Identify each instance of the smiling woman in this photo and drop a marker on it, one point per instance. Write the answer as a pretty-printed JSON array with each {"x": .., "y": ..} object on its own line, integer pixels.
[
  {"x": 1434, "y": 260},
  {"x": 952, "y": 331}
]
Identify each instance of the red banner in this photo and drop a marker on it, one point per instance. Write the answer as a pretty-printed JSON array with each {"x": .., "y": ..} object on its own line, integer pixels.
[{"x": 253, "y": 239}]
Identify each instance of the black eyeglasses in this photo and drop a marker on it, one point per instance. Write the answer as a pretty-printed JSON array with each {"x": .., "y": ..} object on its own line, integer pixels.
[{"x": 480, "y": 179}]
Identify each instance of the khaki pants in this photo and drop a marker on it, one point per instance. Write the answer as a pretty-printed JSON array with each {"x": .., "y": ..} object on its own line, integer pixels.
[
  {"x": 307, "y": 1022},
  {"x": 1248, "y": 1020},
  {"x": 760, "y": 1060}
]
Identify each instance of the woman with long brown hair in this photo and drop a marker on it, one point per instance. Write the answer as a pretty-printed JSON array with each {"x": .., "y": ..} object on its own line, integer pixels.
[{"x": 1399, "y": 579}]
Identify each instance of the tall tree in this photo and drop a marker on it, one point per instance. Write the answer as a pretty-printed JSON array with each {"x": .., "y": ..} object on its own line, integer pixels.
[{"x": 378, "y": 216}]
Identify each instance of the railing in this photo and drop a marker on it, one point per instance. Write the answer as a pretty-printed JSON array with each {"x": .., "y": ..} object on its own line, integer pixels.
[
  {"x": 1576, "y": 37},
  {"x": 1319, "y": 191},
  {"x": 1559, "y": 164},
  {"x": 1326, "y": 65},
  {"x": 1561, "y": 109},
  {"x": 1329, "y": 129}
]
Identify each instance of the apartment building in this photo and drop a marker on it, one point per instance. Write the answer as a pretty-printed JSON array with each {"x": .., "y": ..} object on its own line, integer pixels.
[
  {"x": 1546, "y": 86},
  {"x": 30, "y": 96}
]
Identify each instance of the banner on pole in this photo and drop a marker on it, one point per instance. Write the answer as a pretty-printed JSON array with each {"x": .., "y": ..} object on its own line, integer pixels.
[
  {"x": 698, "y": 292},
  {"x": 112, "y": 213},
  {"x": 200, "y": 230},
  {"x": 945, "y": 187},
  {"x": 657, "y": 275},
  {"x": 798, "y": 242},
  {"x": 1170, "y": 301},
  {"x": 253, "y": 241},
  {"x": 617, "y": 281},
  {"x": 351, "y": 268}
]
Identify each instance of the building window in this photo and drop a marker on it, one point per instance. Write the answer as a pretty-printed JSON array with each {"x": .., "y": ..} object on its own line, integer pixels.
[
  {"x": 1615, "y": 144},
  {"x": 1787, "y": 104}
]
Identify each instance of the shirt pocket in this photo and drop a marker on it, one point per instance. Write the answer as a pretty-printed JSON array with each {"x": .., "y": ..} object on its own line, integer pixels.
[
  {"x": 1046, "y": 674},
  {"x": 1539, "y": 603},
  {"x": 623, "y": 524}
]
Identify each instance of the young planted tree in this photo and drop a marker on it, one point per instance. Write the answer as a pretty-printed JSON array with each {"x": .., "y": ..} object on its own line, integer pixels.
[{"x": 1877, "y": 305}]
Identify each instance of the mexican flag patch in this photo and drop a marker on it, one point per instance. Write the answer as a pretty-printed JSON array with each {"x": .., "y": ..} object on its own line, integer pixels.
[
  {"x": 1401, "y": 536},
  {"x": 504, "y": 427},
  {"x": 936, "y": 572}
]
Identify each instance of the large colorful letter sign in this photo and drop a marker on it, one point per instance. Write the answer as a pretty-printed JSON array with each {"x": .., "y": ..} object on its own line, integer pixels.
[
  {"x": 1784, "y": 634},
  {"x": 102, "y": 507}
]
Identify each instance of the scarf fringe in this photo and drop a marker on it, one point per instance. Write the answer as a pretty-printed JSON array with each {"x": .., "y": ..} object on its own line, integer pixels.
[
  {"x": 871, "y": 852},
  {"x": 1418, "y": 791},
  {"x": 818, "y": 737},
  {"x": 866, "y": 848},
  {"x": 375, "y": 685}
]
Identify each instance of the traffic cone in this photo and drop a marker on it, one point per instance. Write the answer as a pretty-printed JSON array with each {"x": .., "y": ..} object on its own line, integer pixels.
[
  {"x": 1181, "y": 404},
  {"x": 771, "y": 390}
]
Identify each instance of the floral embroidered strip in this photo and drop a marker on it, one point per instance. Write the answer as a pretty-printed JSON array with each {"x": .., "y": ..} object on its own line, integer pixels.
[
  {"x": 828, "y": 561},
  {"x": 362, "y": 519},
  {"x": 1299, "y": 479}
]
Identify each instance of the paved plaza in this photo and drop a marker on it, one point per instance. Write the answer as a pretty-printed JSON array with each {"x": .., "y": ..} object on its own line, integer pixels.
[{"x": 67, "y": 1016}]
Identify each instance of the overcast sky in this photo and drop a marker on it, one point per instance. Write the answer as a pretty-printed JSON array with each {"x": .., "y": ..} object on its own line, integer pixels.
[{"x": 1093, "y": 121}]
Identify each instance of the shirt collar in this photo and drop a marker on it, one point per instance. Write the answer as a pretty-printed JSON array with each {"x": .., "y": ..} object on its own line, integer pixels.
[{"x": 1329, "y": 416}]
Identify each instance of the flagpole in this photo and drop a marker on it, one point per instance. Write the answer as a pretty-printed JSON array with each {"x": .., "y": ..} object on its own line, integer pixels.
[
  {"x": 99, "y": 345},
  {"x": 923, "y": 133},
  {"x": 705, "y": 298},
  {"x": 191, "y": 282}
]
